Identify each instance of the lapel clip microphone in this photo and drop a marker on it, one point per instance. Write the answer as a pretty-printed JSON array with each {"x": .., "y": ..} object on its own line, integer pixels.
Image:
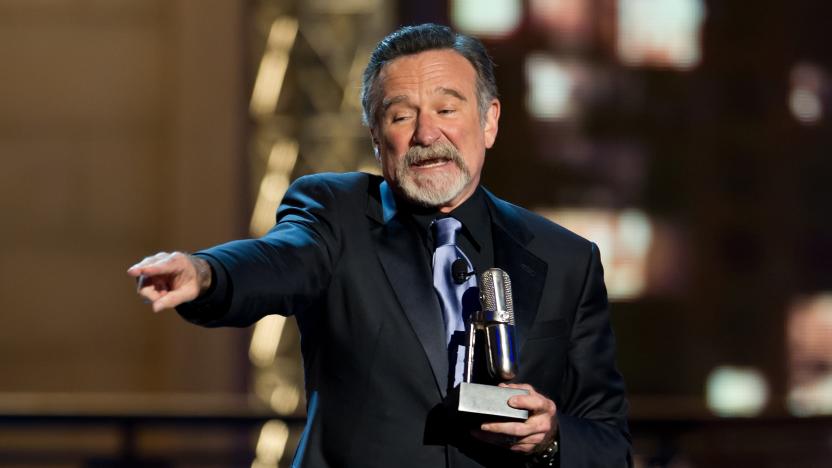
[{"x": 459, "y": 271}]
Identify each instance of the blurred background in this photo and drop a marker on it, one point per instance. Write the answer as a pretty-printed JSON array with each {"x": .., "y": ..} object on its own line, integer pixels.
[{"x": 689, "y": 138}]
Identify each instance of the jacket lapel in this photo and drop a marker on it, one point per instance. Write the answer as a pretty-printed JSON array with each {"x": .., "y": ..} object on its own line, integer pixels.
[
  {"x": 526, "y": 270},
  {"x": 411, "y": 282}
]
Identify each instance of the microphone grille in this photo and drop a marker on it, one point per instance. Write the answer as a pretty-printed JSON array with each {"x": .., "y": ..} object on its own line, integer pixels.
[{"x": 495, "y": 294}]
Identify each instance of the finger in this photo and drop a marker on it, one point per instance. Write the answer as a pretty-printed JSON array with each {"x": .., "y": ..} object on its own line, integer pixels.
[
  {"x": 144, "y": 281},
  {"x": 161, "y": 263},
  {"x": 535, "y": 403},
  {"x": 135, "y": 270},
  {"x": 166, "y": 266},
  {"x": 531, "y": 391},
  {"x": 151, "y": 294},
  {"x": 523, "y": 448},
  {"x": 524, "y": 386},
  {"x": 528, "y": 444},
  {"x": 515, "y": 429},
  {"x": 150, "y": 288},
  {"x": 158, "y": 306},
  {"x": 531, "y": 440},
  {"x": 157, "y": 283},
  {"x": 162, "y": 303},
  {"x": 173, "y": 298},
  {"x": 539, "y": 423}
]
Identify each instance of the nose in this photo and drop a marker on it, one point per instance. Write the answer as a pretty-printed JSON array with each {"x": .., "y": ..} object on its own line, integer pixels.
[{"x": 426, "y": 131}]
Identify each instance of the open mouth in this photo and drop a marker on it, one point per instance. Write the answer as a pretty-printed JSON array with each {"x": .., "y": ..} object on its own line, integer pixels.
[{"x": 431, "y": 162}]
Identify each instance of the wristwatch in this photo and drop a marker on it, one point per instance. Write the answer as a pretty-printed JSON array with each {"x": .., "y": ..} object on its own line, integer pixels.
[{"x": 547, "y": 457}]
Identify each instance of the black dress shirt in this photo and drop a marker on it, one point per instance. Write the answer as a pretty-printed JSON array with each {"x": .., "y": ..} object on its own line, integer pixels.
[{"x": 475, "y": 241}]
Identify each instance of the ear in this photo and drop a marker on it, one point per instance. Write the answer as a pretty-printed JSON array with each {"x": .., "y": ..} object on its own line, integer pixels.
[
  {"x": 375, "y": 143},
  {"x": 492, "y": 118}
]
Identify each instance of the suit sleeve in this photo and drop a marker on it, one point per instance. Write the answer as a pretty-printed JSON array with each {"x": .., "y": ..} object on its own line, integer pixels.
[
  {"x": 283, "y": 272},
  {"x": 592, "y": 416}
]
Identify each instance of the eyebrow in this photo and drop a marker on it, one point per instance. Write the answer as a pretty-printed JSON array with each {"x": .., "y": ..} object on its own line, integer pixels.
[
  {"x": 451, "y": 92},
  {"x": 386, "y": 103}
]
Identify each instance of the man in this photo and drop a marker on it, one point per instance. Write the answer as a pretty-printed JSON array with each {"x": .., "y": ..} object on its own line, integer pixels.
[{"x": 350, "y": 257}]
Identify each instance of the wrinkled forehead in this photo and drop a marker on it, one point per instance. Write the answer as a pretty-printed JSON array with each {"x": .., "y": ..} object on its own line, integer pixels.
[{"x": 434, "y": 71}]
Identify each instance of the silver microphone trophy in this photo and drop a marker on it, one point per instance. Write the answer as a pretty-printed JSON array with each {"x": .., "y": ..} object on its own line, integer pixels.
[{"x": 495, "y": 324}]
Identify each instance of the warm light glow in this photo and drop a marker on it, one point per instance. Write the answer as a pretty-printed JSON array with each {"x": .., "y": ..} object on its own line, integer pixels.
[
  {"x": 569, "y": 20},
  {"x": 285, "y": 399},
  {"x": 265, "y": 340},
  {"x": 265, "y": 380},
  {"x": 551, "y": 87},
  {"x": 810, "y": 355},
  {"x": 273, "y": 66},
  {"x": 660, "y": 32},
  {"x": 736, "y": 391},
  {"x": 493, "y": 18},
  {"x": 282, "y": 159},
  {"x": 805, "y": 105},
  {"x": 351, "y": 100},
  {"x": 271, "y": 444},
  {"x": 624, "y": 238},
  {"x": 807, "y": 87}
]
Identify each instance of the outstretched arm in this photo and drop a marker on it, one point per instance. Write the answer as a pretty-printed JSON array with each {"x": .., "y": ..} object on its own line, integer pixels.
[{"x": 237, "y": 283}]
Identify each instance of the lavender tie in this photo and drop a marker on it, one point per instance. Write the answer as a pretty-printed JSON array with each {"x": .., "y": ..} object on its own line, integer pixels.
[{"x": 450, "y": 293}]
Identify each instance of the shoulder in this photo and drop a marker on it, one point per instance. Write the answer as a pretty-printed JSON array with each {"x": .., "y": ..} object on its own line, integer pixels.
[
  {"x": 335, "y": 187},
  {"x": 341, "y": 183},
  {"x": 541, "y": 230}
]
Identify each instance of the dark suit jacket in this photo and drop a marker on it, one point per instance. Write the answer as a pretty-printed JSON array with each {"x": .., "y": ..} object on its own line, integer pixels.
[{"x": 341, "y": 260}]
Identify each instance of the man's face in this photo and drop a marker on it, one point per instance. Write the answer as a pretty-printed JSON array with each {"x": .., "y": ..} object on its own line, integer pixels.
[{"x": 429, "y": 133}]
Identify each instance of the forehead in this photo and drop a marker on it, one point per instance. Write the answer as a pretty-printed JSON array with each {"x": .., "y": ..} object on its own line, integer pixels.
[{"x": 429, "y": 70}]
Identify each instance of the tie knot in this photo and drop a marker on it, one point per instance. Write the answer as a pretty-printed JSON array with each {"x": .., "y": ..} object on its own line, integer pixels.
[{"x": 444, "y": 230}]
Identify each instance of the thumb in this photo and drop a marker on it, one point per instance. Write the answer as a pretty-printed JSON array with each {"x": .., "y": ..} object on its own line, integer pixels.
[{"x": 174, "y": 298}]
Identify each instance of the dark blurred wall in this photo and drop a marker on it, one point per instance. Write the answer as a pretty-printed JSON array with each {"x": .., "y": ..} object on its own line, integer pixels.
[{"x": 121, "y": 134}]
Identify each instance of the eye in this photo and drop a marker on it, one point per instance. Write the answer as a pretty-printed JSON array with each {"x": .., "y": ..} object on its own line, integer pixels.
[
  {"x": 399, "y": 117},
  {"x": 447, "y": 111}
]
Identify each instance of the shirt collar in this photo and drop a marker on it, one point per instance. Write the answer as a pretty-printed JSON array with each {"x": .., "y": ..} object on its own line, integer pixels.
[{"x": 472, "y": 213}]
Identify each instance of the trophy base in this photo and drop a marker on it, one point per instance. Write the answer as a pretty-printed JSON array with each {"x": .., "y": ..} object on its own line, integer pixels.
[{"x": 489, "y": 400}]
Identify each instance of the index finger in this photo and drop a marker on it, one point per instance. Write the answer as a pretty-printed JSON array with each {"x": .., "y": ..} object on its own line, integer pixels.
[
  {"x": 145, "y": 267},
  {"x": 516, "y": 429},
  {"x": 535, "y": 403},
  {"x": 159, "y": 268}
]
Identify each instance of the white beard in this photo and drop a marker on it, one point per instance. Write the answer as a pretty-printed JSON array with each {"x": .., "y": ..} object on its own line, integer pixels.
[{"x": 438, "y": 188}]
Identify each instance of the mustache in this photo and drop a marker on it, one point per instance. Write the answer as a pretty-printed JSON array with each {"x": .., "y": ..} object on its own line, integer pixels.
[{"x": 444, "y": 151}]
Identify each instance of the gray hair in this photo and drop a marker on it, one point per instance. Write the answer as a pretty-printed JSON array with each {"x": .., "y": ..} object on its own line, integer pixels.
[{"x": 410, "y": 40}]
